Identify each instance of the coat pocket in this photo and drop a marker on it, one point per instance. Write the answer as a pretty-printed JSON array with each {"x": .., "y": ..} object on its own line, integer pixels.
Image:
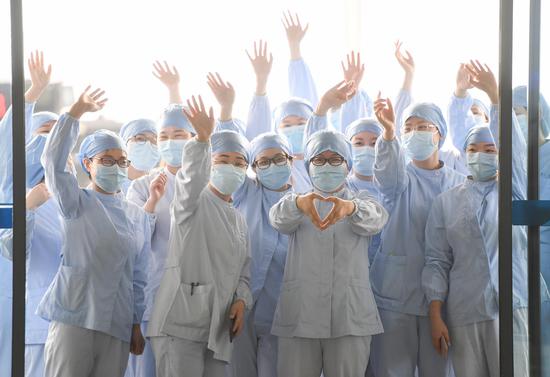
[
  {"x": 70, "y": 288},
  {"x": 361, "y": 305},
  {"x": 388, "y": 274},
  {"x": 192, "y": 306},
  {"x": 288, "y": 308}
]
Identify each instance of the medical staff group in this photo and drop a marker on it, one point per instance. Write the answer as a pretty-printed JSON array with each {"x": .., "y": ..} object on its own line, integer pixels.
[{"x": 323, "y": 237}]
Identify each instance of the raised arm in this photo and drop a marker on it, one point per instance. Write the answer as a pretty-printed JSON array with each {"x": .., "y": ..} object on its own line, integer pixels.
[
  {"x": 335, "y": 97},
  {"x": 483, "y": 78},
  {"x": 359, "y": 105},
  {"x": 300, "y": 80},
  {"x": 59, "y": 144},
  {"x": 404, "y": 97},
  {"x": 461, "y": 102},
  {"x": 194, "y": 175},
  {"x": 389, "y": 164},
  {"x": 224, "y": 93},
  {"x": 170, "y": 78},
  {"x": 259, "y": 111}
]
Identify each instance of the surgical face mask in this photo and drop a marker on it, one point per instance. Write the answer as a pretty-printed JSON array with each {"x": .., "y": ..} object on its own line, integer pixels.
[
  {"x": 363, "y": 160},
  {"x": 274, "y": 177},
  {"x": 171, "y": 151},
  {"x": 480, "y": 119},
  {"x": 523, "y": 124},
  {"x": 328, "y": 178},
  {"x": 110, "y": 178},
  {"x": 295, "y": 137},
  {"x": 227, "y": 178},
  {"x": 482, "y": 166},
  {"x": 143, "y": 156},
  {"x": 419, "y": 145}
]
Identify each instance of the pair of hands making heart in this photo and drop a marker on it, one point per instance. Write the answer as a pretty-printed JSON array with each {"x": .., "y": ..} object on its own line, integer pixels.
[{"x": 341, "y": 208}]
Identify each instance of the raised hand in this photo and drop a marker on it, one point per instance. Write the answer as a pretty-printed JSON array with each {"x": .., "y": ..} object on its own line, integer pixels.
[
  {"x": 170, "y": 77},
  {"x": 40, "y": 76},
  {"x": 463, "y": 83},
  {"x": 406, "y": 62},
  {"x": 202, "y": 121},
  {"x": 383, "y": 109},
  {"x": 341, "y": 209},
  {"x": 157, "y": 188},
  {"x": 294, "y": 33},
  {"x": 336, "y": 97},
  {"x": 355, "y": 69},
  {"x": 224, "y": 93},
  {"x": 37, "y": 196},
  {"x": 88, "y": 103},
  {"x": 236, "y": 315},
  {"x": 262, "y": 65},
  {"x": 483, "y": 78}
]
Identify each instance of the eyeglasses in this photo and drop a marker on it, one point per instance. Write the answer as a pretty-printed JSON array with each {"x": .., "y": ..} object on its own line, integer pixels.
[
  {"x": 333, "y": 161},
  {"x": 278, "y": 160},
  {"x": 142, "y": 139},
  {"x": 237, "y": 164},
  {"x": 421, "y": 128},
  {"x": 109, "y": 161}
]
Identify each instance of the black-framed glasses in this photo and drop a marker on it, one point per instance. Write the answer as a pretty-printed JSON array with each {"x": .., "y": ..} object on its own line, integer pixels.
[
  {"x": 109, "y": 161},
  {"x": 332, "y": 161},
  {"x": 278, "y": 160}
]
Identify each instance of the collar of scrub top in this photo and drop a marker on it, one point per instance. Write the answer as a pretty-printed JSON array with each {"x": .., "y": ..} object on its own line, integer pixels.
[
  {"x": 265, "y": 141},
  {"x": 363, "y": 125},
  {"x": 294, "y": 106},
  {"x": 173, "y": 116},
  {"x": 229, "y": 141},
  {"x": 519, "y": 98},
  {"x": 327, "y": 140},
  {"x": 99, "y": 141},
  {"x": 431, "y": 113},
  {"x": 136, "y": 127}
]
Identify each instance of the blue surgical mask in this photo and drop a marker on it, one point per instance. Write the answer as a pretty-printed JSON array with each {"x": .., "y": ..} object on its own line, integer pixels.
[
  {"x": 419, "y": 145},
  {"x": 227, "y": 178},
  {"x": 110, "y": 178},
  {"x": 171, "y": 151},
  {"x": 328, "y": 178},
  {"x": 523, "y": 124},
  {"x": 295, "y": 137},
  {"x": 274, "y": 177},
  {"x": 482, "y": 166},
  {"x": 363, "y": 160},
  {"x": 144, "y": 156}
]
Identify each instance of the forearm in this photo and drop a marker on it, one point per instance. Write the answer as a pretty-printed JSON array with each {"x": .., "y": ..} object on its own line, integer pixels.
[{"x": 174, "y": 95}]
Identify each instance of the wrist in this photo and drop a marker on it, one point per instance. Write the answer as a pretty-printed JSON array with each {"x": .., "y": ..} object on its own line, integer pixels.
[
  {"x": 322, "y": 108},
  {"x": 202, "y": 138},
  {"x": 261, "y": 86},
  {"x": 388, "y": 135},
  {"x": 226, "y": 113},
  {"x": 295, "y": 53},
  {"x": 76, "y": 111},
  {"x": 460, "y": 93}
]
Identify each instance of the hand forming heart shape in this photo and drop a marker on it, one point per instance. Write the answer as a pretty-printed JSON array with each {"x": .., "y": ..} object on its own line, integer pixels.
[{"x": 340, "y": 209}]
